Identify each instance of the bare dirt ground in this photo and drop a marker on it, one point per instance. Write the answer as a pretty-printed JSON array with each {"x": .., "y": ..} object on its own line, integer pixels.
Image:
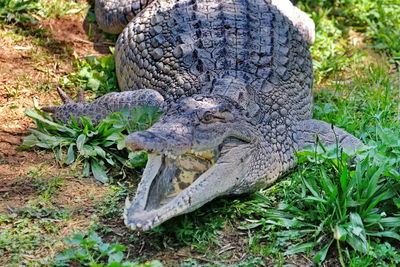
[
  {"x": 28, "y": 73},
  {"x": 30, "y": 69}
]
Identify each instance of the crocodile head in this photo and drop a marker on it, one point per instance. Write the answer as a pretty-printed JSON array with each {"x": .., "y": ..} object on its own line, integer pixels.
[{"x": 198, "y": 150}]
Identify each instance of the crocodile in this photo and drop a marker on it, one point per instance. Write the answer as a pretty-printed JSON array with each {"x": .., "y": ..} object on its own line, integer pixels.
[{"x": 234, "y": 81}]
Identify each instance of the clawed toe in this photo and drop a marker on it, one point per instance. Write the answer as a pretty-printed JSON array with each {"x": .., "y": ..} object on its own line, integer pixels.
[
  {"x": 50, "y": 109},
  {"x": 81, "y": 96},
  {"x": 66, "y": 100},
  {"x": 64, "y": 97}
]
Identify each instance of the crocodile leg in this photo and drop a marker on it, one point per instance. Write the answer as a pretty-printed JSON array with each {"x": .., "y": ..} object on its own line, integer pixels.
[
  {"x": 113, "y": 15},
  {"x": 104, "y": 105},
  {"x": 307, "y": 131}
]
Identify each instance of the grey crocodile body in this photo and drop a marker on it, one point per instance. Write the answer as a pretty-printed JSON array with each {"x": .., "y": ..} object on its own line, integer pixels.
[{"x": 234, "y": 79}]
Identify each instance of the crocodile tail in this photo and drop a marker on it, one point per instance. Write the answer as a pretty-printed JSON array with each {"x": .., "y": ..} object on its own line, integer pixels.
[{"x": 113, "y": 15}]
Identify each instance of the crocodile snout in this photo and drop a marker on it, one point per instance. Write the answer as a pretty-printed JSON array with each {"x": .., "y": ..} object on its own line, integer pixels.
[{"x": 141, "y": 141}]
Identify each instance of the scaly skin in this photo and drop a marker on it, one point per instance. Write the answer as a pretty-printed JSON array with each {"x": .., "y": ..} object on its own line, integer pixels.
[{"x": 235, "y": 77}]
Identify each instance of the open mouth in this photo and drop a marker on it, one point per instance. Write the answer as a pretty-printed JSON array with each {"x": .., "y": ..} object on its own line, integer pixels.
[
  {"x": 170, "y": 183},
  {"x": 175, "y": 174}
]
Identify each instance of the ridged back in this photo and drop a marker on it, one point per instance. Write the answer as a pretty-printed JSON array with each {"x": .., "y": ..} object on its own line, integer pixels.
[{"x": 245, "y": 49}]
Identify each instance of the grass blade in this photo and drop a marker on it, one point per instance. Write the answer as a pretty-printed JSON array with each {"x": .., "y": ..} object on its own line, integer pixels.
[{"x": 300, "y": 248}]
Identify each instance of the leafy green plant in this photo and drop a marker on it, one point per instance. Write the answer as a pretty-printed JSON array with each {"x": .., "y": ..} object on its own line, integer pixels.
[
  {"x": 96, "y": 74},
  {"x": 39, "y": 211},
  {"x": 385, "y": 151},
  {"x": 377, "y": 19},
  {"x": 90, "y": 250},
  {"x": 338, "y": 202},
  {"x": 96, "y": 147},
  {"x": 382, "y": 254},
  {"x": 17, "y": 11}
]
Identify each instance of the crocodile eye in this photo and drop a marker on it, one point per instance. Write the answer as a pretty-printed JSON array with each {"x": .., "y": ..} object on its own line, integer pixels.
[{"x": 207, "y": 117}]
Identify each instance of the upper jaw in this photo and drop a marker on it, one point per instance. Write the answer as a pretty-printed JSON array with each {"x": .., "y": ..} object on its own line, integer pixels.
[{"x": 156, "y": 143}]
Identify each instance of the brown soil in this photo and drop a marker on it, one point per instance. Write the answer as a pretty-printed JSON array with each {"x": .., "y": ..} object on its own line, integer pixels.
[
  {"x": 74, "y": 32},
  {"x": 30, "y": 70},
  {"x": 230, "y": 249}
]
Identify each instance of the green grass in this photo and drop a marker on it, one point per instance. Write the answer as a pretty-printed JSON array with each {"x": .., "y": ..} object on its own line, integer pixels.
[
  {"x": 249, "y": 262},
  {"x": 343, "y": 102},
  {"x": 90, "y": 250},
  {"x": 376, "y": 20},
  {"x": 96, "y": 74},
  {"x": 18, "y": 11},
  {"x": 58, "y": 9},
  {"x": 31, "y": 11},
  {"x": 30, "y": 232},
  {"x": 335, "y": 202},
  {"x": 23, "y": 236}
]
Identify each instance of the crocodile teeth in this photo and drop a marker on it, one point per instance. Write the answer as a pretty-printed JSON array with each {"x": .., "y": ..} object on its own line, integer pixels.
[
  {"x": 202, "y": 154},
  {"x": 125, "y": 216},
  {"x": 125, "y": 213},
  {"x": 127, "y": 202},
  {"x": 170, "y": 155},
  {"x": 132, "y": 227}
]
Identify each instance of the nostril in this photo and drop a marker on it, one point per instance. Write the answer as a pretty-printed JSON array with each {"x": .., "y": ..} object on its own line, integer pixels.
[
  {"x": 133, "y": 146},
  {"x": 133, "y": 142}
]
